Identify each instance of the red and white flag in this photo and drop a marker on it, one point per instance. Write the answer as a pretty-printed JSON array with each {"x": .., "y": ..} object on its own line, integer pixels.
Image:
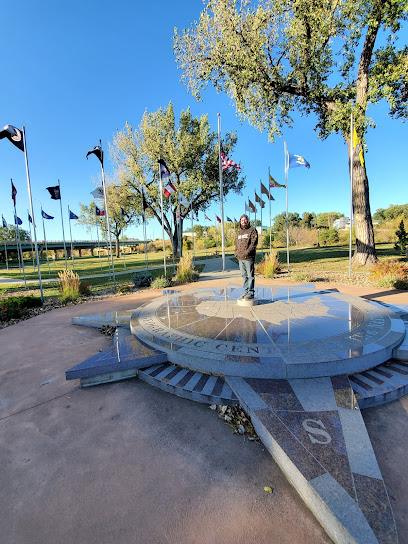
[
  {"x": 169, "y": 189},
  {"x": 218, "y": 219},
  {"x": 227, "y": 163},
  {"x": 207, "y": 218}
]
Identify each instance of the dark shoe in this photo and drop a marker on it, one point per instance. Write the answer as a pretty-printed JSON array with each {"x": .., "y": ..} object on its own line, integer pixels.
[
  {"x": 248, "y": 296},
  {"x": 242, "y": 297}
]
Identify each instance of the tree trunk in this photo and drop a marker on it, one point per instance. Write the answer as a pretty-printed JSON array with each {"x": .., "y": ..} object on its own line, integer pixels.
[
  {"x": 363, "y": 225},
  {"x": 117, "y": 247}
]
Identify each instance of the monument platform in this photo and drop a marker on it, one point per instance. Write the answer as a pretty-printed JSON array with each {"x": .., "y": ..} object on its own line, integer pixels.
[{"x": 299, "y": 362}]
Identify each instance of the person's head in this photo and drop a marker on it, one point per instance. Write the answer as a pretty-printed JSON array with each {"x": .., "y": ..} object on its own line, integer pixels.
[{"x": 244, "y": 221}]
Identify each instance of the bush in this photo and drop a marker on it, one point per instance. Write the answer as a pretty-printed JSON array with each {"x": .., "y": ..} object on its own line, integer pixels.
[
  {"x": 185, "y": 270},
  {"x": 269, "y": 266},
  {"x": 209, "y": 243},
  {"x": 302, "y": 276},
  {"x": 84, "y": 289},
  {"x": 389, "y": 273},
  {"x": 160, "y": 283},
  {"x": 68, "y": 285},
  {"x": 142, "y": 279},
  {"x": 16, "y": 307}
]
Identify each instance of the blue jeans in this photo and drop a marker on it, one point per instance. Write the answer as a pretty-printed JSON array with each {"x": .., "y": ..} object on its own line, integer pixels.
[{"x": 247, "y": 269}]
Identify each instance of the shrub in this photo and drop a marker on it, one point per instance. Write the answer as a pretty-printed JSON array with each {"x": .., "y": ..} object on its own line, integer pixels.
[
  {"x": 124, "y": 287},
  {"x": 160, "y": 283},
  {"x": 16, "y": 307},
  {"x": 389, "y": 268},
  {"x": 402, "y": 241},
  {"x": 302, "y": 276},
  {"x": 68, "y": 285},
  {"x": 269, "y": 266},
  {"x": 209, "y": 243},
  {"x": 84, "y": 289},
  {"x": 185, "y": 270},
  {"x": 142, "y": 279}
]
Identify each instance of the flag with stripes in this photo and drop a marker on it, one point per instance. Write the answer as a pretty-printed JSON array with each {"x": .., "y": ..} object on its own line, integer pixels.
[
  {"x": 169, "y": 189},
  {"x": 99, "y": 212},
  {"x": 227, "y": 163}
]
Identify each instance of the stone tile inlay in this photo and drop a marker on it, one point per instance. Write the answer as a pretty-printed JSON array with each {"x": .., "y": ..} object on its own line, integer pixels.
[
  {"x": 325, "y": 452},
  {"x": 294, "y": 332}
]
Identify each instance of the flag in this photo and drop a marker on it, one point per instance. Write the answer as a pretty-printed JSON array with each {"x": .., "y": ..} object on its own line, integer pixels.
[
  {"x": 54, "y": 192},
  {"x": 164, "y": 171},
  {"x": 235, "y": 221},
  {"x": 4, "y": 222},
  {"x": 13, "y": 134},
  {"x": 296, "y": 160},
  {"x": 17, "y": 220},
  {"x": 169, "y": 189},
  {"x": 45, "y": 215},
  {"x": 30, "y": 219},
  {"x": 259, "y": 200},
  {"x": 357, "y": 146},
  {"x": 229, "y": 220},
  {"x": 226, "y": 162},
  {"x": 251, "y": 206},
  {"x": 247, "y": 208},
  {"x": 207, "y": 218},
  {"x": 122, "y": 212},
  {"x": 218, "y": 219},
  {"x": 98, "y": 193},
  {"x": 195, "y": 216},
  {"x": 183, "y": 200},
  {"x": 97, "y": 150},
  {"x": 72, "y": 215},
  {"x": 99, "y": 212},
  {"x": 13, "y": 193},
  {"x": 273, "y": 183},
  {"x": 265, "y": 191}
]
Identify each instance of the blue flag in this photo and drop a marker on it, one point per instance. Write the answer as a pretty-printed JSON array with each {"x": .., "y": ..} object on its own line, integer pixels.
[
  {"x": 45, "y": 215},
  {"x": 235, "y": 221},
  {"x": 229, "y": 220},
  {"x": 17, "y": 220},
  {"x": 30, "y": 219},
  {"x": 296, "y": 160},
  {"x": 72, "y": 215},
  {"x": 4, "y": 222}
]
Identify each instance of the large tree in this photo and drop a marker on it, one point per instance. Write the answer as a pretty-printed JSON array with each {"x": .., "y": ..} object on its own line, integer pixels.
[
  {"x": 190, "y": 151},
  {"x": 319, "y": 57}
]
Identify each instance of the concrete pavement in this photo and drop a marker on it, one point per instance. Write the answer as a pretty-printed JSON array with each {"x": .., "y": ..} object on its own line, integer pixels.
[{"x": 127, "y": 463}]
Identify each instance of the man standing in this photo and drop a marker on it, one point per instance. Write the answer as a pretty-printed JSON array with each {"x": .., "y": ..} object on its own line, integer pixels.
[{"x": 245, "y": 250}]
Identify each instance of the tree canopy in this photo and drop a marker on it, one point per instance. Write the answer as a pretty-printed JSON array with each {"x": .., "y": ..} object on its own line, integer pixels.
[
  {"x": 190, "y": 151},
  {"x": 277, "y": 56}
]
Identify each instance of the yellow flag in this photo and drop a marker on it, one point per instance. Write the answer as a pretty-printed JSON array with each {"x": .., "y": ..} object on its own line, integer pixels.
[{"x": 357, "y": 146}]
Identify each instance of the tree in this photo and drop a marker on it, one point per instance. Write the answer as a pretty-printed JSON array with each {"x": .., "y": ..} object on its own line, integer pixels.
[
  {"x": 392, "y": 212},
  {"x": 274, "y": 56},
  {"x": 122, "y": 212},
  {"x": 279, "y": 221},
  {"x": 189, "y": 150},
  {"x": 402, "y": 236},
  {"x": 9, "y": 234},
  {"x": 327, "y": 219}
]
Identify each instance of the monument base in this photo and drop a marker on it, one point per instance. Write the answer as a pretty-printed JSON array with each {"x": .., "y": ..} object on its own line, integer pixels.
[{"x": 243, "y": 302}]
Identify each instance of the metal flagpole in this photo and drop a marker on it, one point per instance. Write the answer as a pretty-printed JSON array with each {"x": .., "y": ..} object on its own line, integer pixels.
[
  {"x": 192, "y": 227},
  {"x": 107, "y": 220},
  {"x": 221, "y": 193},
  {"x": 31, "y": 239},
  {"x": 180, "y": 224},
  {"x": 99, "y": 247},
  {"x": 144, "y": 231},
  {"x": 172, "y": 229},
  {"x": 351, "y": 190},
  {"x": 270, "y": 215},
  {"x": 32, "y": 214},
  {"x": 287, "y": 214},
  {"x": 45, "y": 241},
  {"x": 62, "y": 222},
  {"x": 162, "y": 220},
  {"x": 255, "y": 211},
  {"x": 19, "y": 251},
  {"x": 216, "y": 247},
  {"x": 5, "y": 249},
  {"x": 72, "y": 249},
  {"x": 260, "y": 204}
]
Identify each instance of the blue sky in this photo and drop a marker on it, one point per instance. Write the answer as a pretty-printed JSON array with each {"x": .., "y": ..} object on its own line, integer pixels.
[{"x": 75, "y": 73}]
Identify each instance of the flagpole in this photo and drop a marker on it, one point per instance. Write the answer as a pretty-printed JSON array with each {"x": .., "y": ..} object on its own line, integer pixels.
[
  {"x": 270, "y": 214},
  {"x": 107, "y": 220},
  {"x": 20, "y": 251},
  {"x": 180, "y": 225},
  {"x": 172, "y": 230},
  {"x": 45, "y": 240},
  {"x": 205, "y": 238},
  {"x": 221, "y": 193},
  {"x": 62, "y": 222},
  {"x": 162, "y": 220},
  {"x": 5, "y": 248},
  {"x": 192, "y": 228},
  {"x": 99, "y": 246},
  {"x": 287, "y": 214},
  {"x": 144, "y": 230},
  {"x": 255, "y": 210},
  {"x": 351, "y": 190},
  {"x": 216, "y": 247},
  {"x": 261, "y": 223},
  {"x": 72, "y": 248},
  {"x": 31, "y": 240}
]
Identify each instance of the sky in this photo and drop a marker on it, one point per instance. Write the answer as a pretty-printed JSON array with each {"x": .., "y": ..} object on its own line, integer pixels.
[{"x": 75, "y": 73}]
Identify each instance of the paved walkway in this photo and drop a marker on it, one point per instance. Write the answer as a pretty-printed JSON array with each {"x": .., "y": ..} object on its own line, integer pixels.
[{"x": 127, "y": 463}]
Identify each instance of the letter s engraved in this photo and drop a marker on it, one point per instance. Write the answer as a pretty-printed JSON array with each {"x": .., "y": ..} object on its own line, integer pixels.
[{"x": 312, "y": 430}]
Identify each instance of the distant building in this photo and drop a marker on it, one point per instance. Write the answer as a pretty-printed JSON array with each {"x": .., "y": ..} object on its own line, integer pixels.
[{"x": 342, "y": 224}]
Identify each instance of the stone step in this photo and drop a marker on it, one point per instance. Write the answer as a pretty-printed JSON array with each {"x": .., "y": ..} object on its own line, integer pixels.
[
  {"x": 383, "y": 383},
  {"x": 121, "y": 361},
  {"x": 189, "y": 384}
]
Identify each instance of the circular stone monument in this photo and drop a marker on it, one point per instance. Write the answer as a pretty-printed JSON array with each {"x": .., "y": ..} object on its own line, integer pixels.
[{"x": 293, "y": 332}]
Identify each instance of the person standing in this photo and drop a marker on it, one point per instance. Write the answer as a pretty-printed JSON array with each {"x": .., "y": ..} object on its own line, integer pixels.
[{"x": 245, "y": 250}]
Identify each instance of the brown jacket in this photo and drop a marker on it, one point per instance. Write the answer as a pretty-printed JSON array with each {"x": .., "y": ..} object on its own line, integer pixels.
[{"x": 245, "y": 244}]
